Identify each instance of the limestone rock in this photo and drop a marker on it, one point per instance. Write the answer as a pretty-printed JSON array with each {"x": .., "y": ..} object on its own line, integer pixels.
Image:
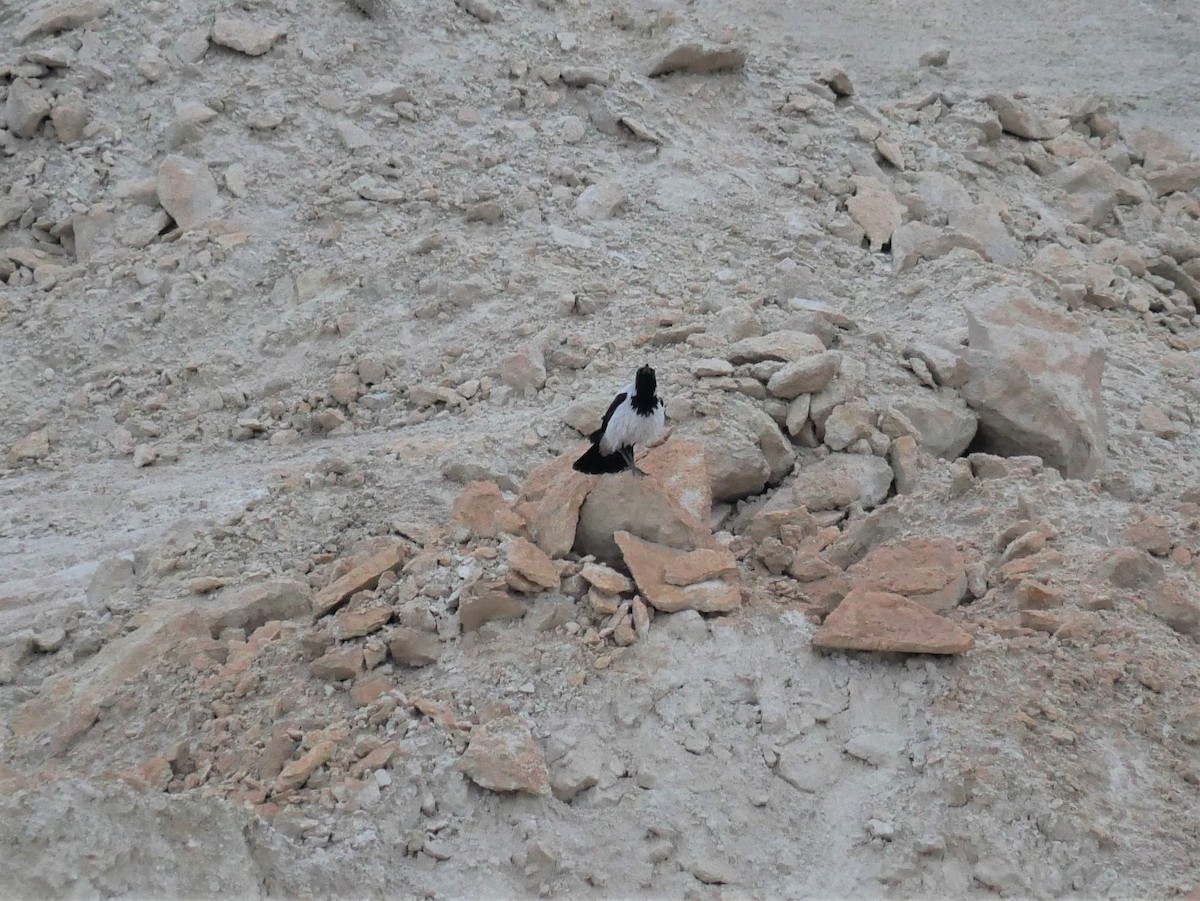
[
  {"x": 247, "y": 607},
  {"x": 699, "y": 566},
  {"x": 484, "y": 511},
  {"x": 58, "y": 17},
  {"x": 929, "y": 571},
  {"x": 502, "y": 756},
  {"x": 525, "y": 370},
  {"x": 835, "y": 78},
  {"x": 743, "y": 448},
  {"x": 879, "y": 621},
  {"x": 1034, "y": 380},
  {"x": 186, "y": 190},
  {"x": 551, "y": 499},
  {"x": 945, "y": 425},
  {"x": 807, "y": 375},
  {"x": 841, "y": 480},
  {"x": 409, "y": 647},
  {"x": 69, "y": 118},
  {"x": 875, "y": 209},
  {"x": 363, "y": 575},
  {"x": 298, "y": 772},
  {"x": 782, "y": 345},
  {"x": 1093, "y": 188},
  {"x": 33, "y": 446},
  {"x": 606, "y": 579},
  {"x": 1179, "y": 177},
  {"x": 27, "y": 105},
  {"x": 697, "y": 58},
  {"x": 914, "y": 242},
  {"x": 1156, "y": 149},
  {"x": 601, "y": 200},
  {"x": 357, "y": 623},
  {"x": 974, "y": 225},
  {"x": 643, "y": 506},
  {"x": 529, "y": 561},
  {"x": 489, "y": 605},
  {"x": 649, "y": 562},
  {"x": 250, "y": 38},
  {"x": 1019, "y": 120},
  {"x": 338, "y": 664},
  {"x": 1171, "y": 602}
]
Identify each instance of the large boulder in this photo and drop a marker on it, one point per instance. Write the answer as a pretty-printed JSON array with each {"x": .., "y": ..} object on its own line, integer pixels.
[
  {"x": 743, "y": 447},
  {"x": 1033, "y": 377},
  {"x": 670, "y": 506}
]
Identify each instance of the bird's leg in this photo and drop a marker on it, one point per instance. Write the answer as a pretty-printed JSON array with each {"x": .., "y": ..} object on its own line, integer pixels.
[{"x": 627, "y": 453}]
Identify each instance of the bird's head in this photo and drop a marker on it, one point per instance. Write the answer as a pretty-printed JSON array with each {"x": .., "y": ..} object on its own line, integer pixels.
[{"x": 644, "y": 383}]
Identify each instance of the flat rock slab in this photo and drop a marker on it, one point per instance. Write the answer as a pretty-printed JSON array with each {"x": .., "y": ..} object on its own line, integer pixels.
[
  {"x": 930, "y": 571},
  {"x": 58, "y": 17},
  {"x": 250, "y": 38},
  {"x": 881, "y": 621},
  {"x": 484, "y": 511},
  {"x": 649, "y": 563},
  {"x": 363, "y": 575},
  {"x": 697, "y": 58},
  {"x": 841, "y": 480},
  {"x": 530, "y": 562},
  {"x": 502, "y": 756}
]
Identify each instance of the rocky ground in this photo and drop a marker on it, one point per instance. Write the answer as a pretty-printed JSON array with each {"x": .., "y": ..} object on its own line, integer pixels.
[{"x": 308, "y": 304}]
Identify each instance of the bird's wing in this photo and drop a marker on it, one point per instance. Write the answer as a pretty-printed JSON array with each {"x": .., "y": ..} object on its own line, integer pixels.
[{"x": 612, "y": 408}]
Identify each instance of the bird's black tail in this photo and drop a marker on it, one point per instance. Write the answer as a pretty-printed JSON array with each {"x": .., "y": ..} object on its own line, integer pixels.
[{"x": 595, "y": 463}]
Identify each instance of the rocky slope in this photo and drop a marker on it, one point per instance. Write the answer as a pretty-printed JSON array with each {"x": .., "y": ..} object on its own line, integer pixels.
[{"x": 306, "y": 306}]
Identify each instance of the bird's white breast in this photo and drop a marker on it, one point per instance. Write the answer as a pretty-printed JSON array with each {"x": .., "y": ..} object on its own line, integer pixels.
[{"x": 627, "y": 427}]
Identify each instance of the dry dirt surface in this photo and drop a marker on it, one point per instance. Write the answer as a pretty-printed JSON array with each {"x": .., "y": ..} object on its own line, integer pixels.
[{"x": 306, "y": 304}]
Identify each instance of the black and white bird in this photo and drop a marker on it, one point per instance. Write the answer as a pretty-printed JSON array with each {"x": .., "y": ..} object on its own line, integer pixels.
[{"x": 635, "y": 417}]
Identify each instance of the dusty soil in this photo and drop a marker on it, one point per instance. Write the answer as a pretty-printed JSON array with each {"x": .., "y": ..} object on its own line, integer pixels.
[{"x": 325, "y": 357}]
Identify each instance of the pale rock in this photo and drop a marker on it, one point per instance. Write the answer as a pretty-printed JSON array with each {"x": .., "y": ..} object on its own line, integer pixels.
[
  {"x": 414, "y": 648},
  {"x": 935, "y": 57},
  {"x": 601, "y": 200},
  {"x": 27, "y": 105},
  {"x": 69, "y": 118},
  {"x": 187, "y": 190},
  {"x": 144, "y": 455},
  {"x": 945, "y": 425},
  {"x": 914, "y": 242},
  {"x": 338, "y": 664},
  {"x": 56, "y": 17},
  {"x": 875, "y": 209},
  {"x": 841, "y": 480},
  {"x": 483, "y": 10},
  {"x": 743, "y": 446},
  {"x": 481, "y": 507},
  {"x": 33, "y": 446},
  {"x": 551, "y": 500},
  {"x": 805, "y": 376},
  {"x": 489, "y": 606},
  {"x": 525, "y": 370},
  {"x": 782, "y": 345},
  {"x": 1034, "y": 380},
  {"x": 527, "y": 560},
  {"x": 606, "y": 579},
  {"x": 1093, "y": 189},
  {"x": 645, "y": 507},
  {"x": 250, "y": 38},
  {"x": 976, "y": 226},
  {"x": 879, "y": 621},
  {"x": 344, "y": 387},
  {"x": 712, "y": 368},
  {"x": 502, "y": 756},
  {"x": 697, "y": 58},
  {"x": 364, "y": 572},
  {"x": 1019, "y": 120},
  {"x": 1178, "y": 177},
  {"x": 581, "y": 768},
  {"x": 797, "y": 415},
  {"x": 835, "y": 78},
  {"x": 847, "y": 424},
  {"x": 649, "y": 562},
  {"x": 1157, "y": 150},
  {"x": 930, "y": 571},
  {"x": 1173, "y": 602}
]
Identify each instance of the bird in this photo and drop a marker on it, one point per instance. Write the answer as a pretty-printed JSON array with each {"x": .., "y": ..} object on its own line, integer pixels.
[{"x": 635, "y": 417}]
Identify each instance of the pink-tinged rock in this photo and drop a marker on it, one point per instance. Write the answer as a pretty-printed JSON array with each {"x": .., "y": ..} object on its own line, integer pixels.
[
  {"x": 880, "y": 621},
  {"x": 930, "y": 571},
  {"x": 529, "y": 561},
  {"x": 484, "y": 511},
  {"x": 502, "y": 756},
  {"x": 550, "y": 502},
  {"x": 649, "y": 562},
  {"x": 363, "y": 575}
]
